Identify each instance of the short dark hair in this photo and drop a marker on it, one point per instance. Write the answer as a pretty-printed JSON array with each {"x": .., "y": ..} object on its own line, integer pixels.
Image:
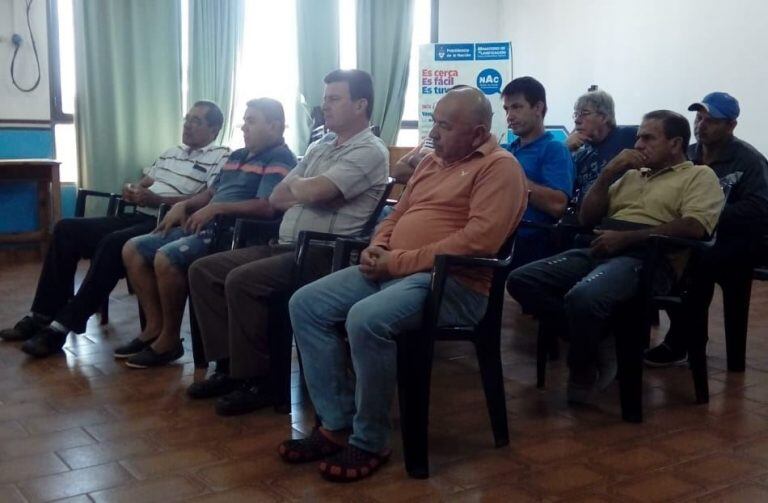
[
  {"x": 531, "y": 89},
  {"x": 360, "y": 85},
  {"x": 271, "y": 109},
  {"x": 213, "y": 115},
  {"x": 674, "y": 126}
]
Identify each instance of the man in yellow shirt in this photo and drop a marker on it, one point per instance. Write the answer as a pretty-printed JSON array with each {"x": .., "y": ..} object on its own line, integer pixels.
[{"x": 651, "y": 189}]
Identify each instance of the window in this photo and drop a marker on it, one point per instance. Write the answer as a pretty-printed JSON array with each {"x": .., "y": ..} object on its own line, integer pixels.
[{"x": 61, "y": 38}]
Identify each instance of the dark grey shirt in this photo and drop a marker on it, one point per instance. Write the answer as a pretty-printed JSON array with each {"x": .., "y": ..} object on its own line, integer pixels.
[{"x": 746, "y": 211}]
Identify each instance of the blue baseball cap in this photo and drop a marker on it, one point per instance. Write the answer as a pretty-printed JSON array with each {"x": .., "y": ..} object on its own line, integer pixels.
[{"x": 718, "y": 105}]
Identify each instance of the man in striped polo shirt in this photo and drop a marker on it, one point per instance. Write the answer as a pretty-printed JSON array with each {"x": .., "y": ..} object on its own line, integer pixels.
[
  {"x": 177, "y": 174},
  {"x": 157, "y": 263}
]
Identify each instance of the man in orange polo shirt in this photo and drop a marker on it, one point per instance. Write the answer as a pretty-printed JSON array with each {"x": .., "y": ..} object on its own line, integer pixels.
[{"x": 465, "y": 198}]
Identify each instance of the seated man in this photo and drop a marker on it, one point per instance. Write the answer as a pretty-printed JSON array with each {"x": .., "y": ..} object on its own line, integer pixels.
[
  {"x": 466, "y": 198},
  {"x": 335, "y": 188},
  {"x": 740, "y": 233},
  {"x": 176, "y": 175},
  {"x": 651, "y": 189},
  {"x": 596, "y": 140},
  {"x": 546, "y": 161},
  {"x": 157, "y": 263}
]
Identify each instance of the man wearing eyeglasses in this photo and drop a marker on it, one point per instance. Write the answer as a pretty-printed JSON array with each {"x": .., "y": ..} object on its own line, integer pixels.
[
  {"x": 547, "y": 164},
  {"x": 179, "y": 173},
  {"x": 741, "y": 230},
  {"x": 596, "y": 140}
]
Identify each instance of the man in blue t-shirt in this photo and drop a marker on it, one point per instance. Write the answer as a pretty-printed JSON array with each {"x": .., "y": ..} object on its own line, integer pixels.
[
  {"x": 157, "y": 263},
  {"x": 596, "y": 140},
  {"x": 547, "y": 164}
]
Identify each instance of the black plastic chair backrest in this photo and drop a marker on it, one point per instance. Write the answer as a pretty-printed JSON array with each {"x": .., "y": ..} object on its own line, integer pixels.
[{"x": 370, "y": 225}]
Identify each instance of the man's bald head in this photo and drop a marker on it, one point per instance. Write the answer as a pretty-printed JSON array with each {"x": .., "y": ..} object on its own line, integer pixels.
[
  {"x": 462, "y": 122},
  {"x": 473, "y": 105}
]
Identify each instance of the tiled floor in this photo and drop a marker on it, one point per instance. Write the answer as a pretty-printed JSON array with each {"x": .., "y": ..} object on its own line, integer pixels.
[{"x": 82, "y": 427}]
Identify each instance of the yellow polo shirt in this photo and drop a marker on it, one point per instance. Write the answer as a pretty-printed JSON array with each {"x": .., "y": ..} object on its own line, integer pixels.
[{"x": 684, "y": 190}]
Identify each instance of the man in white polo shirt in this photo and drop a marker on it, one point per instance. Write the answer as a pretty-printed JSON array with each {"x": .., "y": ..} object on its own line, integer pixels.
[{"x": 177, "y": 174}]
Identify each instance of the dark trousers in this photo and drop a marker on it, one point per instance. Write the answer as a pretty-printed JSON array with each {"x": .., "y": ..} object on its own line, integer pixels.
[
  {"x": 728, "y": 263},
  {"x": 577, "y": 291},
  {"x": 99, "y": 239}
]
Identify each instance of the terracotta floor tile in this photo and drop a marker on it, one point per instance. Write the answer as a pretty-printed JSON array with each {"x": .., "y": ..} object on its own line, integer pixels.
[
  {"x": 152, "y": 465},
  {"x": 104, "y": 452},
  {"x": 47, "y": 442},
  {"x": 10, "y": 430},
  {"x": 633, "y": 460},
  {"x": 719, "y": 469},
  {"x": 746, "y": 493},
  {"x": 10, "y": 494},
  {"x": 21, "y": 410},
  {"x": 560, "y": 479},
  {"x": 65, "y": 421},
  {"x": 75, "y": 482},
  {"x": 243, "y": 493},
  {"x": 244, "y": 472},
  {"x": 547, "y": 450},
  {"x": 656, "y": 487},
  {"x": 478, "y": 469},
  {"x": 692, "y": 441},
  {"x": 162, "y": 489},
  {"x": 496, "y": 493},
  {"x": 28, "y": 467}
]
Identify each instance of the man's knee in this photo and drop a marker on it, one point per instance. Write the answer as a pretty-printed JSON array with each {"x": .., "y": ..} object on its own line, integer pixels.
[
  {"x": 302, "y": 299},
  {"x": 238, "y": 282},
  {"x": 163, "y": 265},
  {"x": 66, "y": 227},
  {"x": 582, "y": 301}
]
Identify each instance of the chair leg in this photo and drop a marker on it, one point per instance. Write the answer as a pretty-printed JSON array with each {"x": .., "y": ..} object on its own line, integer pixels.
[
  {"x": 414, "y": 370},
  {"x": 542, "y": 353},
  {"x": 630, "y": 343},
  {"x": 697, "y": 358},
  {"x": 104, "y": 313},
  {"x": 280, "y": 348},
  {"x": 198, "y": 351},
  {"x": 736, "y": 298},
  {"x": 489, "y": 358}
]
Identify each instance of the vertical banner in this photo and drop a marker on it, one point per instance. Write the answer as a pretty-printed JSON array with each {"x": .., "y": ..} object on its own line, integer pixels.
[{"x": 486, "y": 66}]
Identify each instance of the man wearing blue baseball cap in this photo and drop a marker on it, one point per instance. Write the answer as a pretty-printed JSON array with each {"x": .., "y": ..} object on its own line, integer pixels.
[{"x": 742, "y": 225}]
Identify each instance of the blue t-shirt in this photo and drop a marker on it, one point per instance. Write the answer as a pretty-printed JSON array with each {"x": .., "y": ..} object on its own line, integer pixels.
[
  {"x": 252, "y": 176},
  {"x": 591, "y": 159},
  {"x": 546, "y": 161}
]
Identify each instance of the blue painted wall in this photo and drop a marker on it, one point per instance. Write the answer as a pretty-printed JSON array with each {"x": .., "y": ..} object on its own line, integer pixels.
[{"x": 18, "y": 200}]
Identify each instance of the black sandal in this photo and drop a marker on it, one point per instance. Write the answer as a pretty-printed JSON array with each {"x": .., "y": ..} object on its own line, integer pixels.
[{"x": 313, "y": 448}]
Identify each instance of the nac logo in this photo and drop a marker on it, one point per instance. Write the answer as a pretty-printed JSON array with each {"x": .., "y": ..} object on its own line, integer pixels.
[{"x": 489, "y": 81}]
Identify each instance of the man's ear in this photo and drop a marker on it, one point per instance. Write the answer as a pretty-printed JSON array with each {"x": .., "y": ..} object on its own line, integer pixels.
[
  {"x": 479, "y": 134},
  {"x": 539, "y": 107},
  {"x": 362, "y": 104}
]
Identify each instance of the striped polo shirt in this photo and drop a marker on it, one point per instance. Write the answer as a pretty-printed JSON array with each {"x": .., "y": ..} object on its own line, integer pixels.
[
  {"x": 183, "y": 171},
  {"x": 248, "y": 176}
]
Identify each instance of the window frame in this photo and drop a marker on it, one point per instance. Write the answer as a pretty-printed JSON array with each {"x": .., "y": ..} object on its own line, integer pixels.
[
  {"x": 54, "y": 66},
  {"x": 434, "y": 15}
]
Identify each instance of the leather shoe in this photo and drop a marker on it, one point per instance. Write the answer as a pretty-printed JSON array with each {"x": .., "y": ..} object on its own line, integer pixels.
[
  {"x": 218, "y": 384},
  {"x": 242, "y": 401},
  {"x": 23, "y": 330},
  {"x": 45, "y": 343}
]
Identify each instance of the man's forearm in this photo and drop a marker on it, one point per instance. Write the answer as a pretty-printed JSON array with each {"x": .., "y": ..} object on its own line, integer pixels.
[
  {"x": 685, "y": 228},
  {"x": 281, "y": 198},
  {"x": 595, "y": 204},
  {"x": 550, "y": 201},
  {"x": 197, "y": 201}
]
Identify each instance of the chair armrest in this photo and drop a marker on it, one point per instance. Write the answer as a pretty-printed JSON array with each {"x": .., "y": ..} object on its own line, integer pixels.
[
  {"x": 123, "y": 205},
  {"x": 529, "y": 224},
  {"x": 84, "y": 194},
  {"x": 342, "y": 246},
  {"x": 246, "y": 228},
  {"x": 674, "y": 242}
]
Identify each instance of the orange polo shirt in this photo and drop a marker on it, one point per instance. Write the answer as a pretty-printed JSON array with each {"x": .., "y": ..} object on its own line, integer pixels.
[{"x": 468, "y": 207}]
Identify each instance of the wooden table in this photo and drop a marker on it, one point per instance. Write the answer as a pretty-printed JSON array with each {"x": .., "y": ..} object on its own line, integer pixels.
[{"x": 46, "y": 173}]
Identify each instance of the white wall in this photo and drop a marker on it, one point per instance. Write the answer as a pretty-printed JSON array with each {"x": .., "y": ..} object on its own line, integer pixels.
[
  {"x": 462, "y": 21},
  {"x": 13, "y": 103},
  {"x": 648, "y": 55}
]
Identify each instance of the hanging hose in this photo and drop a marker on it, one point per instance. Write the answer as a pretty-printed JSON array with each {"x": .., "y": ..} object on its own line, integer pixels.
[{"x": 16, "y": 40}]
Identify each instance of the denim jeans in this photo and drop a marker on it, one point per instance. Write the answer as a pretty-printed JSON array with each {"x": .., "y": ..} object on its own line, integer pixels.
[
  {"x": 579, "y": 289},
  {"x": 180, "y": 247},
  {"x": 374, "y": 313}
]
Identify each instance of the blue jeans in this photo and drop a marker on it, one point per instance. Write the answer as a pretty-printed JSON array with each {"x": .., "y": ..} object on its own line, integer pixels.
[
  {"x": 580, "y": 290},
  {"x": 180, "y": 247},
  {"x": 374, "y": 313}
]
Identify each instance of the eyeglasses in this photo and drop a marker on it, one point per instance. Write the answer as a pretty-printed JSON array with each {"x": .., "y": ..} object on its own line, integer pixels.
[{"x": 583, "y": 113}]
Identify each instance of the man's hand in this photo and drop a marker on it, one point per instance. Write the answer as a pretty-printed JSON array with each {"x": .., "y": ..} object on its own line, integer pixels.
[
  {"x": 200, "y": 218},
  {"x": 575, "y": 140},
  {"x": 610, "y": 243},
  {"x": 627, "y": 159},
  {"x": 373, "y": 263},
  {"x": 145, "y": 197},
  {"x": 176, "y": 217}
]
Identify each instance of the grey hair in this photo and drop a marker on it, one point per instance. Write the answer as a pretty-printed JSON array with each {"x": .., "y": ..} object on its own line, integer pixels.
[{"x": 601, "y": 101}]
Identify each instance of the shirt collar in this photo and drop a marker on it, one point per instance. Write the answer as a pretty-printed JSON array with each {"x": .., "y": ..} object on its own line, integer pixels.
[
  {"x": 517, "y": 144},
  {"x": 677, "y": 167},
  {"x": 189, "y": 150}
]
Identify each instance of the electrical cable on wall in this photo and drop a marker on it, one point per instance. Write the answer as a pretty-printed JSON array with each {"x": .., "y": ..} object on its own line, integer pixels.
[{"x": 16, "y": 40}]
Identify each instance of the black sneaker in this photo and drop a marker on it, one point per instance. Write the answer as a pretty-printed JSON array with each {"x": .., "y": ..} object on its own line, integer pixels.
[
  {"x": 44, "y": 343},
  {"x": 218, "y": 384},
  {"x": 242, "y": 401},
  {"x": 134, "y": 347},
  {"x": 151, "y": 358},
  {"x": 23, "y": 330},
  {"x": 664, "y": 356}
]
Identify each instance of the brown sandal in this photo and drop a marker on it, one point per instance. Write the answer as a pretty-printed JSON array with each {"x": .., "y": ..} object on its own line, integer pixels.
[
  {"x": 352, "y": 464},
  {"x": 313, "y": 448}
]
